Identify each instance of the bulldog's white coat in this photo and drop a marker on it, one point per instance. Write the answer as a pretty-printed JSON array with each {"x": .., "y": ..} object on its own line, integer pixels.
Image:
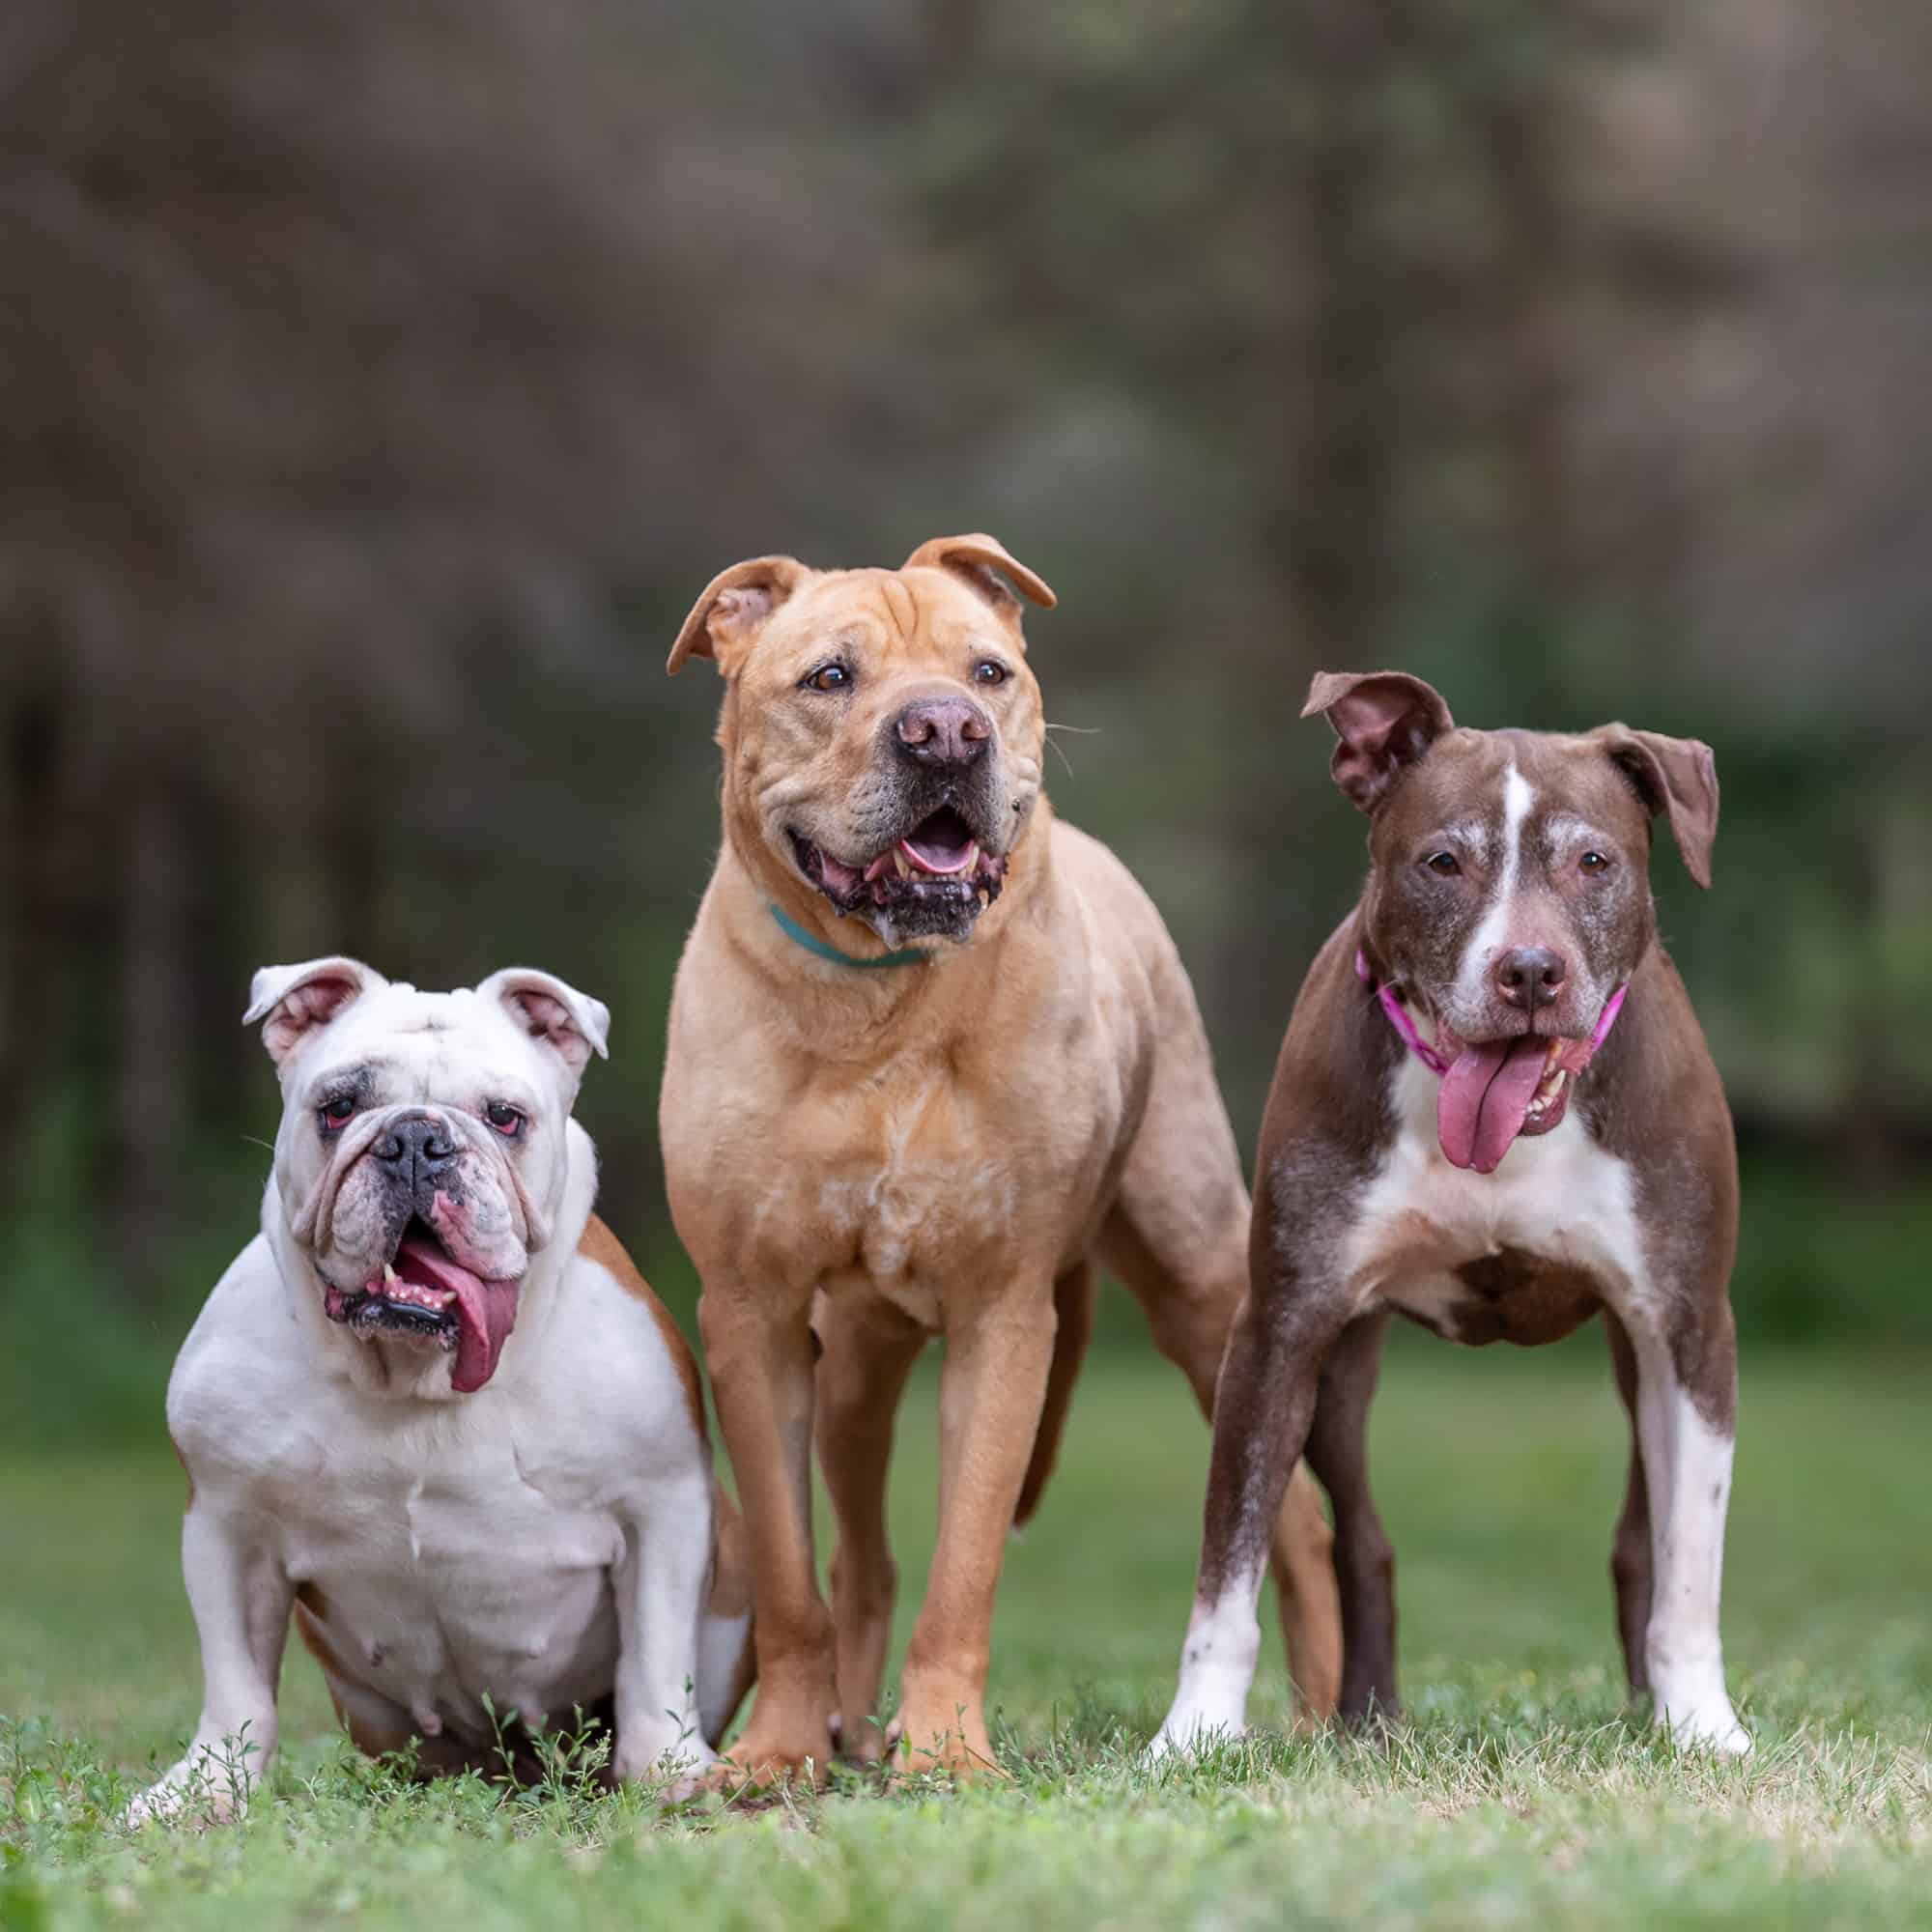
[{"x": 546, "y": 1542}]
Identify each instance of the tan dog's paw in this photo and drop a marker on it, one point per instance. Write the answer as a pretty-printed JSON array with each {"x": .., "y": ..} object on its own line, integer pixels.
[
  {"x": 761, "y": 1759},
  {"x": 917, "y": 1746}
]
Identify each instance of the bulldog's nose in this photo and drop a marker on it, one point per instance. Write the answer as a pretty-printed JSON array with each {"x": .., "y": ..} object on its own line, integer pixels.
[
  {"x": 416, "y": 1147},
  {"x": 1529, "y": 975},
  {"x": 948, "y": 732}
]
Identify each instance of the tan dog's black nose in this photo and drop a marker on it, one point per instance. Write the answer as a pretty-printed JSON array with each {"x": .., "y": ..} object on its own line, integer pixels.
[
  {"x": 1529, "y": 975},
  {"x": 943, "y": 731}
]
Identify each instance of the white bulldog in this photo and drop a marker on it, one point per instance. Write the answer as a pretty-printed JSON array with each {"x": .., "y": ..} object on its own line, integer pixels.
[{"x": 434, "y": 1410}]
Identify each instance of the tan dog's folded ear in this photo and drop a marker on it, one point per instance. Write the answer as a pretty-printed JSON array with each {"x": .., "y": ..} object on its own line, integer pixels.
[
  {"x": 300, "y": 1001},
  {"x": 976, "y": 558},
  {"x": 1385, "y": 720},
  {"x": 735, "y": 603},
  {"x": 1677, "y": 776}
]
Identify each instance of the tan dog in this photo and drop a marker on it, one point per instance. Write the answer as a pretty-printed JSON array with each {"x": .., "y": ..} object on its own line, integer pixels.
[{"x": 886, "y": 1142}]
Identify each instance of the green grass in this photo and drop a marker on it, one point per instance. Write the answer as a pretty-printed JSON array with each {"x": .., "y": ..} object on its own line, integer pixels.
[{"x": 1521, "y": 1791}]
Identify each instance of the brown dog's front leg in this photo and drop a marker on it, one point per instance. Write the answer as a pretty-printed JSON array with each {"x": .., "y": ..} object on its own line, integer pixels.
[
  {"x": 990, "y": 1396},
  {"x": 761, "y": 1358},
  {"x": 1262, "y": 1416},
  {"x": 1338, "y": 1452}
]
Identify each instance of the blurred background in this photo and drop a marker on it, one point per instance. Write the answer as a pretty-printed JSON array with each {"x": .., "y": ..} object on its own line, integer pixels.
[{"x": 380, "y": 386}]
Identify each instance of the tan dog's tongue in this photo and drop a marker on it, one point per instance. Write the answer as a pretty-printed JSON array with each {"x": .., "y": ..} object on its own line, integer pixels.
[
  {"x": 1485, "y": 1096},
  {"x": 485, "y": 1310}
]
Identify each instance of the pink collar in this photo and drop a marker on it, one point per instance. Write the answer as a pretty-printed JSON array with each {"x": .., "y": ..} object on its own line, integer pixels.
[{"x": 1400, "y": 1019}]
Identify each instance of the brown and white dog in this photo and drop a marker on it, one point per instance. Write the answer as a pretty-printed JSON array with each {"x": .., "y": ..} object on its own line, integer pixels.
[
  {"x": 1493, "y": 1113},
  {"x": 434, "y": 1411},
  {"x": 931, "y": 1054}
]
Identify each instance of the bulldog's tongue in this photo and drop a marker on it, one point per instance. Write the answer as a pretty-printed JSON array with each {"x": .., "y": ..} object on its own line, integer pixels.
[
  {"x": 1485, "y": 1096},
  {"x": 485, "y": 1311}
]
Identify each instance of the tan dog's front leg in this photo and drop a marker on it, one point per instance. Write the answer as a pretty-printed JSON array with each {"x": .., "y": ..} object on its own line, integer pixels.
[
  {"x": 760, "y": 1357},
  {"x": 989, "y": 1405},
  {"x": 869, "y": 1350}
]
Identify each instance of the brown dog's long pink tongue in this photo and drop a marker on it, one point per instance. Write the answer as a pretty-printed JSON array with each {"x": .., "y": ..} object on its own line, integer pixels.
[
  {"x": 485, "y": 1311},
  {"x": 1485, "y": 1096}
]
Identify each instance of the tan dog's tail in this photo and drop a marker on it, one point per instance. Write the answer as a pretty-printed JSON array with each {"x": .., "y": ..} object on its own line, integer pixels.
[{"x": 1074, "y": 1295}]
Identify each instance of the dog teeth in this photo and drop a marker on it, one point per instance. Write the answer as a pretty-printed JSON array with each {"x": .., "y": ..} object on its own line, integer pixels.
[
  {"x": 390, "y": 1275},
  {"x": 903, "y": 864}
]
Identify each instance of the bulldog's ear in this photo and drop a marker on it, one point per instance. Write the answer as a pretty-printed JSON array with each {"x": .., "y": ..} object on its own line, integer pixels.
[
  {"x": 734, "y": 606},
  {"x": 982, "y": 561},
  {"x": 298, "y": 1000},
  {"x": 1678, "y": 776},
  {"x": 1385, "y": 720},
  {"x": 549, "y": 1009}
]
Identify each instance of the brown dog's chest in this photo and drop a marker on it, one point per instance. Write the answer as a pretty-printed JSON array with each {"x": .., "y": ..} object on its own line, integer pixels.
[{"x": 1512, "y": 1296}]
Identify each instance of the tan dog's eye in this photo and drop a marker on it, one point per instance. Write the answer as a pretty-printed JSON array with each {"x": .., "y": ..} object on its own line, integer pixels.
[
  {"x": 1443, "y": 864},
  {"x": 1594, "y": 863},
  {"x": 990, "y": 670},
  {"x": 827, "y": 677}
]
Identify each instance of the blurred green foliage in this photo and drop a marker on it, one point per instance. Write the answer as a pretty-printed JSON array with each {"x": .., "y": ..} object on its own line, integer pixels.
[{"x": 378, "y": 387}]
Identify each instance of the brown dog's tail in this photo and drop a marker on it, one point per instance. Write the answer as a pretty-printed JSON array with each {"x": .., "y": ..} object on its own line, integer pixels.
[{"x": 1074, "y": 1295}]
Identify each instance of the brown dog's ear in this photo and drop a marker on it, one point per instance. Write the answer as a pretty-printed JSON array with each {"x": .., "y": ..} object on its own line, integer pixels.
[
  {"x": 298, "y": 1000},
  {"x": 735, "y": 603},
  {"x": 976, "y": 558},
  {"x": 1385, "y": 720},
  {"x": 1678, "y": 776}
]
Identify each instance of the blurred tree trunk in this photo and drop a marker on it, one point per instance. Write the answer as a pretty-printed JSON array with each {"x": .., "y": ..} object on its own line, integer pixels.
[{"x": 151, "y": 1111}]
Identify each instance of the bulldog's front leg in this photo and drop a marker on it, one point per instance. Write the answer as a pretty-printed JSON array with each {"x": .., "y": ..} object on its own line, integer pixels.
[
  {"x": 1686, "y": 1421},
  {"x": 759, "y": 1346},
  {"x": 990, "y": 1395},
  {"x": 660, "y": 1588},
  {"x": 241, "y": 1598}
]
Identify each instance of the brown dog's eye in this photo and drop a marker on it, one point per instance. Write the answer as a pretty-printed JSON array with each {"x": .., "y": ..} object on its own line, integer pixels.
[
  {"x": 990, "y": 670},
  {"x": 827, "y": 677},
  {"x": 1594, "y": 861},
  {"x": 1443, "y": 864},
  {"x": 505, "y": 1120}
]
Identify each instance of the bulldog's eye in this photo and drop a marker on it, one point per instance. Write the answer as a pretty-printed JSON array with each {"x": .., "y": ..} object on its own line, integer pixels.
[
  {"x": 990, "y": 670},
  {"x": 337, "y": 1112},
  {"x": 1594, "y": 863},
  {"x": 1444, "y": 865},
  {"x": 506, "y": 1119},
  {"x": 827, "y": 677}
]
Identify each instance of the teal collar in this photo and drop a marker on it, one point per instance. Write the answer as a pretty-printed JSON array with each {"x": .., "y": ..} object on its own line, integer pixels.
[{"x": 812, "y": 943}]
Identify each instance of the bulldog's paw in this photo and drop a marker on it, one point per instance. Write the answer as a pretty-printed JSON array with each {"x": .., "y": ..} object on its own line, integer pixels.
[
  {"x": 1706, "y": 1724},
  {"x": 674, "y": 1765},
  {"x": 199, "y": 1790}
]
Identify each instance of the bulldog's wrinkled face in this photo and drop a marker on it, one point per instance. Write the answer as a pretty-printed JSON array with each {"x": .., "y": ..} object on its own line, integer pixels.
[
  {"x": 1510, "y": 895},
  {"x": 422, "y": 1153},
  {"x": 882, "y": 736}
]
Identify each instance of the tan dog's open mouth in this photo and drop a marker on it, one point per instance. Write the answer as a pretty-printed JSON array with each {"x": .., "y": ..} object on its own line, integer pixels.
[
  {"x": 938, "y": 867},
  {"x": 425, "y": 1296}
]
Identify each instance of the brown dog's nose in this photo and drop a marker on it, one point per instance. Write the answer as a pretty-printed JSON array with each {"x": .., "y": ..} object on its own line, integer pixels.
[
  {"x": 1528, "y": 976},
  {"x": 943, "y": 731}
]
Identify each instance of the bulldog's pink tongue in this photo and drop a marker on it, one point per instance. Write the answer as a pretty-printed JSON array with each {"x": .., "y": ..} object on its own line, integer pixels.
[
  {"x": 485, "y": 1311},
  {"x": 1485, "y": 1096}
]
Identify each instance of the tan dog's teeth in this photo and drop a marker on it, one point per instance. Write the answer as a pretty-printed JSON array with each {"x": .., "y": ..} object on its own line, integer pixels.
[
  {"x": 390, "y": 1275},
  {"x": 904, "y": 865}
]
